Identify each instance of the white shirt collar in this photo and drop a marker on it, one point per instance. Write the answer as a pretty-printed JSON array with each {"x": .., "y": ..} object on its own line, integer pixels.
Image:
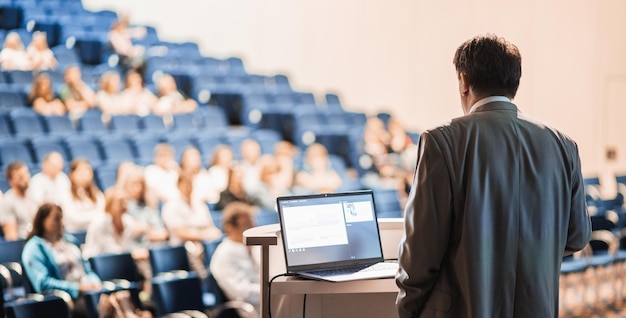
[{"x": 488, "y": 100}]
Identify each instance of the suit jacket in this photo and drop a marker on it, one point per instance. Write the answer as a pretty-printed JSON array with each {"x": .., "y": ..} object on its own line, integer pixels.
[{"x": 497, "y": 200}]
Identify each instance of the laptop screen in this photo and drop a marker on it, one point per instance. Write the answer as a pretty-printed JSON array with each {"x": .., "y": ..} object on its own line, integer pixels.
[{"x": 329, "y": 230}]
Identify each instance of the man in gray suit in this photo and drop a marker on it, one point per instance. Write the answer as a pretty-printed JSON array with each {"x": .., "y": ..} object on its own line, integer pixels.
[{"x": 497, "y": 200}]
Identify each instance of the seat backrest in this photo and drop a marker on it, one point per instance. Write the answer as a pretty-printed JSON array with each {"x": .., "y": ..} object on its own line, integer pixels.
[
  {"x": 58, "y": 125},
  {"x": 117, "y": 150},
  {"x": 85, "y": 149},
  {"x": 124, "y": 123},
  {"x": 15, "y": 151},
  {"x": 45, "y": 306},
  {"x": 27, "y": 126},
  {"x": 169, "y": 258},
  {"x": 174, "y": 293},
  {"x": 115, "y": 266}
]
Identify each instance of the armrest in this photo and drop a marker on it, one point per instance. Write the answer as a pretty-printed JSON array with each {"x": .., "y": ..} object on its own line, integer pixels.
[{"x": 6, "y": 275}]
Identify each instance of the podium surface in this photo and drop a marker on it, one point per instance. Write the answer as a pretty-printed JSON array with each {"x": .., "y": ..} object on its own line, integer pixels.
[{"x": 292, "y": 296}]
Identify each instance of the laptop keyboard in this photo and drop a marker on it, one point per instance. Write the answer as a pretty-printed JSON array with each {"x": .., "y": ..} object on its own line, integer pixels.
[{"x": 354, "y": 269}]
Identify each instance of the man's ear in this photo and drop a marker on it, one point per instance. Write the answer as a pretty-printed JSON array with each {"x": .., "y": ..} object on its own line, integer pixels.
[{"x": 463, "y": 84}]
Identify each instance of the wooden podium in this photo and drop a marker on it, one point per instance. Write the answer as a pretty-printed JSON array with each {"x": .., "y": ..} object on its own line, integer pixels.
[{"x": 290, "y": 296}]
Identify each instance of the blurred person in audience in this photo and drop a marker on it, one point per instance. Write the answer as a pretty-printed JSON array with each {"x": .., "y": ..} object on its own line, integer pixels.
[
  {"x": 86, "y": 201},
  {"x": 115, "y": 231},
  {"x": 317, "y": 174},
  {"x": 235, "y": 191},
  {"x": 188, "y": 219},
  {"x": 189, "y": 222},
  {"x": 234, "y": 265},
  {"x": 121, "y": 38},
  {"x": 109, "y": 97},
  {"x": 135, "y": 94},
  {"x": 51, "y": 184},
  {"x": 53, "y": 261},
  {"x": 251, "y": 162},
  {"x": 124, "y": 170},
  {"x": 17, "y": 208},
  {"x": 43, "y": 99},
  {"x": 191, "y": 164},
  {"x": 143, "y": 207},
  {"x": 219, "y": 168},
  {"x": 13, "y": 56},
  {"x": 75, "y": 93},
  {"x": 171, "y": 101},
  {"x": 162, "y": 175},
  {"x": 40, "y": 55},
  {"x": 284, "y": 154},
  {"x": 271, "y": 185}
]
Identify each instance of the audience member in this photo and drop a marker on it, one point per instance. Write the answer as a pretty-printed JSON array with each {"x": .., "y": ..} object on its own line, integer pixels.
[
  {"x": 188, "y": 219},
  {"x": 86, "y": 201},
  {"x": 115, "y": 231},
  {"x": 53, "y": 262},
  {"x": 251, "y": 162},
  {"x": 271, "y": 185},
  {"x": 109, "y": 97},
  {"x": 235, "y": 191},
  {"x": 171, "y": 101},
  {"x": 124, "y": 170},
  {"x": 189, "y": 222},
  {"x": 40, "y": 55},
  {"x": 284, "y": 154},
  {"x": 143, "y": 207},
  {"x": 317, "y": 174},
  {"x": 51, "y": 184},
  {"x": 121, "y": 38},
  {"x": 219, "y": 168},
  {"x": 43, "y": 99},
  {"x": 17, "y": 209},
  {"x": 162, "y": 175},
  {"x": 75, "y": 93},
  {"x": 234, "y": 265},
  {"x": 191, "y": 164},
  {"x": 135, "y": 94},
  {"x": 13, "y": 56}
]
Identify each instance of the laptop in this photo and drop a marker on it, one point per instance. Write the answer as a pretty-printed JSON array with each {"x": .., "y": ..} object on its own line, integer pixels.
[{"x": 333, "y": 237}]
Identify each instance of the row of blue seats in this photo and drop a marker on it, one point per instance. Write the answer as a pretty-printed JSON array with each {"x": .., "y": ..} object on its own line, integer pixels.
[{"x": 25, "y": 122}]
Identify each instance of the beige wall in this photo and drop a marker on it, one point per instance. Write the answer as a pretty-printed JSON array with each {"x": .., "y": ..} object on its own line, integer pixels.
[{"x": 396, "y": 55}]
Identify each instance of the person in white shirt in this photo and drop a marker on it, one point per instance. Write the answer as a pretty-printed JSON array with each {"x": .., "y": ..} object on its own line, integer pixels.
[
  {"x": 216, "y": 179},
  {"x": 162, "y": 175},
  {"x": 51, "y": 184},
  {"x": 13, "y": 56},
  {"x": 234, "y": 265},
  {"x": 17, "y": 209},
  {"x": 189, "y": 222},
  {"x": 188, "y": 219},
  {"x": 86, "y": 200},
  {"x": 115, "y": 231},
  {"x": 40, "y": 55}
]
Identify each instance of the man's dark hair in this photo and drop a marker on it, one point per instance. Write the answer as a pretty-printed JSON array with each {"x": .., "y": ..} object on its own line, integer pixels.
[
  {"x": 492, "y": 65},
  {"x": 12, "y": 167}
]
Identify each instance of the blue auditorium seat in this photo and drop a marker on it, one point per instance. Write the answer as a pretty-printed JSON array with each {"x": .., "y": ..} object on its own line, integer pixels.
[
  {"x": 143, "y": 145},
  {"x": 213, "y": 118},
  {"x": 11, "y": 99},
  {"x": 46, "y": 306},
  {"x": 116, "y": 149},
  {"x": 126, "y": 124},
  {"x": 333, "y": 104},
  {"x": 15, "y": 150},
  {"x": 105, "y": 176},
  {"x": 90, "y": 123},
  {"x": 110, "y": 267},
  {"x": 11, "y": 17},
  {"x": 387, "y": 203},
  {"x": 175, "y": 293},
  {"x": 207, "y": 144},
  {"x": 27, "y": 125},
  {"x": 187, "y": 121},
  {"x": 58, "y": 125},
  {"x": 90, "y": 50},
  {"x": 5, "y": 127},
  {"x": 79, "y": 146},
  {"x": 20, "y": 77},
  {"x": 169, "y": 258},
  {"x": 43, "y": 145},
  {"x": 152, "y": 123}
]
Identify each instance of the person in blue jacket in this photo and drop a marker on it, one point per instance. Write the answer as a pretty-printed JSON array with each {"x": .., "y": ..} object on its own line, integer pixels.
[{"x": 53, "y": 260}]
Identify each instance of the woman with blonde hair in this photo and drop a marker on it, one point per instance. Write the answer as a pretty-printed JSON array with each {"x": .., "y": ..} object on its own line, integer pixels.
[
  {"x": 40, "y": 55},
  {"x": 109, "y": 97},
  {"x": 13, "y": 56}
]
